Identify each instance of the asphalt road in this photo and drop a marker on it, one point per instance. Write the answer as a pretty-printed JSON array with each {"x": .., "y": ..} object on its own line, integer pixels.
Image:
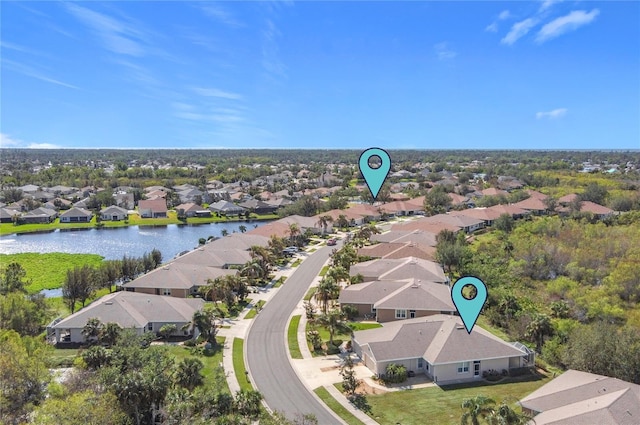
[{"x": 267, "y": 352}]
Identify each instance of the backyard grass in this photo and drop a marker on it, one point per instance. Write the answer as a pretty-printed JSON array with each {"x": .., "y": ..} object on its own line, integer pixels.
[
  {"x": 442, "y": 404},
  {"x": 254, "y": 311},
  {"x": 212, "y": 360},
  {"x": 292, "y": 338},
  {"x": 48, "y": 271},
  {"x": 62, "y": 357},
  {"x": 310, "y": 293},
  {"x": 337, "y": 337},
  {"x": 338, "y": 408},
  {"x": 238, "y": 365}
]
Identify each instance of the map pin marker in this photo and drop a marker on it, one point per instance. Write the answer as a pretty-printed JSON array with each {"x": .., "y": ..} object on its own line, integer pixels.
[
  {"x": 375, "y": 177},
  {"x": 469, "y": 309}
]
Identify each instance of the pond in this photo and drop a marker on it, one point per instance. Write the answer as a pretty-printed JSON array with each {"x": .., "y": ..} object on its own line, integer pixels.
[{"x": 113, "y": 243}]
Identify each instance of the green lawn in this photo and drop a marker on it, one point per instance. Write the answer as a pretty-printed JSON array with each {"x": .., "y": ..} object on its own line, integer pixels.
[
  {"x": 62, "y": 357},
  {"x": 254, "y": 311},
  {"x": 338, "y": 408},
  {"x": 310, "y": 293},
  {"x": 442, "y": 404},
  {"x": 297, "y": 262},
  {"x": 279, "y": 282},
  {"x": 323, "y": 271},
  {"x": 211, "y": 360},
  {"x": 292, "y": 338},
  {"x": 48, "y": 271},
  {"x": 238, "y": 365},
  {"x": 338, "y": 337}
]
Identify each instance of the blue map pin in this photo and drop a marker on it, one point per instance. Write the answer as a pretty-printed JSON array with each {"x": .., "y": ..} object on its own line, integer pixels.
[
  {"x": 469, "y": 309},
  {"x": 375, "y": 177}
]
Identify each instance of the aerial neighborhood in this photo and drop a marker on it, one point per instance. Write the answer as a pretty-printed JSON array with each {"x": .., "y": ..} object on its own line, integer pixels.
[{"x": 355, "y": 290}]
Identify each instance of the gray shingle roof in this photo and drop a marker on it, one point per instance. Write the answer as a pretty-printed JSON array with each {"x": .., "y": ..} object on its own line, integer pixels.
[{"x": 178, "y": 275}]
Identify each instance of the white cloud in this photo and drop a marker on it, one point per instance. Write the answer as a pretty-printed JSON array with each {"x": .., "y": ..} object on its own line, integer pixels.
[
  {"x": 116, "y": 35},
  {"x": 7, "y": 141},
  {"x": 34, "y": 73},
  {"x": 504, "y": 15},
  {"x": 493, "y": 27},
  {"x": 42, "y": 146},
  {"x": 554, "y": 114},
  {"x": 564, "y": 24},
  {"x": 213, "y": 92},
  {"x": 444, "y": 52},
  {"x": 220, "y": 14},
  {"x": 546, "y": 4},
  {"x": 518, "y": 30}
]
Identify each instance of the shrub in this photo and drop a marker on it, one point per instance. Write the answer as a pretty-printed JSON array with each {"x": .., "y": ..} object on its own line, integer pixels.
[
  {"x": 314, "y": 339},
  {"x": 350, "y": 311},
  {"x": 395, "y": 373}
]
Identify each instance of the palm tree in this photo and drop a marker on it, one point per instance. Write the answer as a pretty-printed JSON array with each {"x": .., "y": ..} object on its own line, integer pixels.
[
  {"x": 505, "y": 415},
  {"x": 476, "y": 408},
  {"x": 224, "y": 232},
  {"x": 294, "y": 231},
  {"x": 335, "y": 322},
  {"x": 188, "y": 373},
  {"x": 338, "y": 273},
  {"x": 242, "y": 228},
  {"x": 276, "y": 245},
  {"x": 327, "y": 290},
  {"x": 252, "y": 270},
  {"x": 366, "y": 231},
  {"x": 539, "y": 326},
  {"x": 342, "y": 221},
  {"x": 324, "y": 221},
  {"x": 205, "y": 322}
]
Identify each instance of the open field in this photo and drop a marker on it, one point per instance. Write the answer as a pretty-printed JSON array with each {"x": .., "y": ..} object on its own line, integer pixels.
[{"x": 48, "y": 271}]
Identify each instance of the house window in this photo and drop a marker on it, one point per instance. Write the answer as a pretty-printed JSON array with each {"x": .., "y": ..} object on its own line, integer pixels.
[
  {"x": 420, "y": 363},
  {"x": 463, "y": 367},
  {"x": 150, "y": 326},
  {"x": 401, "y": 314},
  {"x": 166, "y": 291}
]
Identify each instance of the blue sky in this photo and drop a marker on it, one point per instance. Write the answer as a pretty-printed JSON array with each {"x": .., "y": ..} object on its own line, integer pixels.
[{"x": 428, "y": 75}]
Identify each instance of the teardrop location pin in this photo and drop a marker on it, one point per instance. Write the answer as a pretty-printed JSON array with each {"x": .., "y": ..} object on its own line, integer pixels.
[
  {"x": 469, "y": 308},
  {"x": 375, "y": 177}
]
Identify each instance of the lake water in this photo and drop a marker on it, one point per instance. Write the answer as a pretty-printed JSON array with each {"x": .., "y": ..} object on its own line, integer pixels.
[{"x": 113, "y": 243}]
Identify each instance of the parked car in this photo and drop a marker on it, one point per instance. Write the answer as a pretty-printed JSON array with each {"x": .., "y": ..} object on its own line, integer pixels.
[
  {"x": 332, "y": 242},
  {"x": 290, "y": 250}
]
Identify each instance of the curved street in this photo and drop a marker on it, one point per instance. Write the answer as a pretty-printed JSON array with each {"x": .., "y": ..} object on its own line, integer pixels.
[{"x": 267, "y": 352}]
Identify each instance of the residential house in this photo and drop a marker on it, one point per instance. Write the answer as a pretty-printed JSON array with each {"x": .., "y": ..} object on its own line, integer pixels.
[
  {"x": 8, "y": 215},
  {"x": 596, "y": 209},
  {"x": 58, "y": 204},
  {"x": 40, "y": 215},
  {"x": 62, "y": 190},
  {"x": 395, "y": 250},
  {"x": 276, "y": 228},
  {"x": 227, "y": 208},
  {"x": 125, "y": 200},
  {"x": 398, "y": 269},
  {"x": 369, "y": 212},
  {"x": 29, "y": 188},
  {"x": 155, "y": 208},
  {"x": 259, "y": 207},
  {"x": 467, "y": 224},
  {"x": 304, "y": 223},
  {"x": 210, "y": 256},
  {"x": 533, "y": 204},
  {"x": 439, "y": 347},
  {"x": 113, "y": 213},
  {"x": 403, "y": 236},
  {"x": 389, "y": 300},
  {"x": 577, "y": 397},
  {"x": 424, "y": 225},
  {"x": 76, "y": 215},
  {"x": 177, "y": 279},
  {"x": 188, "y": 209},
  {"x": 352, "y": 217},
  {"x": 130, "y": 310},
  {"x": 402, "y": 208}
]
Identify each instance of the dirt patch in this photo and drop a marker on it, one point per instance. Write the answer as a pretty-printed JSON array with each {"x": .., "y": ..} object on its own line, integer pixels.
[{"x": 365, "y": 388}]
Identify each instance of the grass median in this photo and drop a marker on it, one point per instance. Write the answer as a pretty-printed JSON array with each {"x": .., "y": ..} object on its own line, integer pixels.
[
  {"x": 338, "y": 408},
  {"x": 292, "y": 338},
  {"x": 238, "y": 365}
]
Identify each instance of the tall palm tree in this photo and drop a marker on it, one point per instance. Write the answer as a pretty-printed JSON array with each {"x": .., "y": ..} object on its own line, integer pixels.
[
  {"x": 338, "y": 273},
  {"x": 334, "y": 321},
  {"x": 92, "y": 329},
  {"x": 324, "y": 221},
  {"x": 110, "y": 334},
  {"x": 328, "y": 290},
  {"x": 505, "y": 415},
  {"x": 538, "y": 328},
  {"x": 294, "y": 232},
  {"x": 476, "y": 408},
  {"x": 252, "y": 270},
  {"x": 342, "y": 221}
]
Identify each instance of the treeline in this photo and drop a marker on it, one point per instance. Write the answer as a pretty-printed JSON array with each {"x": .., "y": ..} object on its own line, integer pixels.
[{"x": 82, "y": 282}]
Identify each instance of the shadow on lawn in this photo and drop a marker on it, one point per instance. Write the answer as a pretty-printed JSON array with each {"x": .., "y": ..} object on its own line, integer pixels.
[{"x": 534, "y": 376}]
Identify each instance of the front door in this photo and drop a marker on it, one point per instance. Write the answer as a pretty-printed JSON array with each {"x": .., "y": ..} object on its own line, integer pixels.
[
  {"x": 412, "y": 314},
  {"x": 476, "y": 368}
]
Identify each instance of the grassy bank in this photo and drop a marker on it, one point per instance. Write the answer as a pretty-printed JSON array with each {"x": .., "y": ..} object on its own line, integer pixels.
[
  {"x": 48, "y": 271},
  {"x": 211, "y": 360},
  {"x": 134, "y": 220}
]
